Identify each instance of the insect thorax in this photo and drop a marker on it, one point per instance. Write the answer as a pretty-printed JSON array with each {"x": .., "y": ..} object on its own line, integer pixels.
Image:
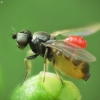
[{"x": 36, "y": 43}]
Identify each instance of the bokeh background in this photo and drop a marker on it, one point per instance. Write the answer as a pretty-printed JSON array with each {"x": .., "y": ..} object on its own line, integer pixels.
[{"x": 49, "y": 16}]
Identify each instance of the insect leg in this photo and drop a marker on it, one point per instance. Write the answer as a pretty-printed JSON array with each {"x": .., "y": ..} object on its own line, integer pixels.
[
  {"x": 25, "y": 60},
  {"x": 58, "y": 75},
  {"x": 45, "y": 63},
  {"x": 53, "y": 62}
]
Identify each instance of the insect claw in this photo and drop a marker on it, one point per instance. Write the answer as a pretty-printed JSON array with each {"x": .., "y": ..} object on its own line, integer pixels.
[
  {"x": 60, "y": 80},
  {"x": 24, "y": 78},
  {"x": 43, "y": 77}
]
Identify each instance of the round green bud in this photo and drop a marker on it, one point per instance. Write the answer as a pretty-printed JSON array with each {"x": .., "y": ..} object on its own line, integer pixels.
[{"x": 51, "y": 89}]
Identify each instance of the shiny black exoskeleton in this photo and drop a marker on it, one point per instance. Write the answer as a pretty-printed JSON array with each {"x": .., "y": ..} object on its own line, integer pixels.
[{"x": 35, "y": 41}]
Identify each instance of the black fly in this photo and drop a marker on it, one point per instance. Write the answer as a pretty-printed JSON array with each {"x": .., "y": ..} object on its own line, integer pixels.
[{"x": 46, "y": 45}]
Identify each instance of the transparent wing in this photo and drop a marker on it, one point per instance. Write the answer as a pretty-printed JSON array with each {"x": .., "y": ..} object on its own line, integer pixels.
[
  {"x": 72, "y": 51},
  {"x": 78, "y": 31}
]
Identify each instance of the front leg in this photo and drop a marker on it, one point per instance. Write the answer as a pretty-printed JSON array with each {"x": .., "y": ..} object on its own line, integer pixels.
[
  {"x": 45, "y": 63},
  {"x": 25, "y": 60}
]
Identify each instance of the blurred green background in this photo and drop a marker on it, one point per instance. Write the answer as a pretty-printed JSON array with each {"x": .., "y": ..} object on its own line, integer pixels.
[{"x": 49, "y": 16}]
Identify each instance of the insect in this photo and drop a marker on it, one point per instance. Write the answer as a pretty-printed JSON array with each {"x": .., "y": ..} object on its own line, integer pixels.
[{"x": 68, "y": 58}]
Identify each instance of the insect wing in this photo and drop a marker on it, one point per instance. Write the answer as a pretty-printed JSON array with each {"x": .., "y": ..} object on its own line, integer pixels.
[
  {"x": 78, "y": 31},
  {"x": 72, "y": 51}
]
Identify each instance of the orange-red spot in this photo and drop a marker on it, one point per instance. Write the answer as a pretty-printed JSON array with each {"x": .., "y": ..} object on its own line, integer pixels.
[{"x": 77, "y": 40}]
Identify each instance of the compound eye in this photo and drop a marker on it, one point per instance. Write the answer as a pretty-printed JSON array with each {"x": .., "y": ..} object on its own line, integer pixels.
[{"x": 22, "y": 40}]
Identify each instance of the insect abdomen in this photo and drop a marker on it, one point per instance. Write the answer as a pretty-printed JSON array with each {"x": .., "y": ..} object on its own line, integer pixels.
[{"x": 75, "y": 69}]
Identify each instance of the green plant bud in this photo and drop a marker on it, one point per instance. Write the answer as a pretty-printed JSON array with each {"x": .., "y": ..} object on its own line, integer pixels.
[{"x": 51, "y": 89}]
